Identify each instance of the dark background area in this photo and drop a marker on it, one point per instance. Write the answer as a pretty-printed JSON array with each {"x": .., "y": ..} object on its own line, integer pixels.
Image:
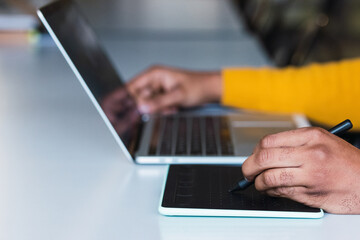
[{"x": 298, "y": 32}]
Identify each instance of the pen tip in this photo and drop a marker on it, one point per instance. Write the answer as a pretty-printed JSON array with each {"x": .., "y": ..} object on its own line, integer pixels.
[{"x": 233, "y": 189}]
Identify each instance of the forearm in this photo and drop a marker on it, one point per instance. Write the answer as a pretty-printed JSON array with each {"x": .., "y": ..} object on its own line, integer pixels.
[{"x": 326, "y": 93}]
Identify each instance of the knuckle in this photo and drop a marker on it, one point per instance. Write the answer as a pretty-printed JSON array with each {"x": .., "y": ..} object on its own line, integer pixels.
[
  {"x": 273, "y": 193},
  {"x": 269, "y": 179},
  {"x": 287, "y": 191},
  {"x": 316, "y": 133},
  {"x": 320, "y": 153},
  {"x": 284, "y": 191},
  {"x": 267, "y": 141},
  {"x": 264, "y": 156}
]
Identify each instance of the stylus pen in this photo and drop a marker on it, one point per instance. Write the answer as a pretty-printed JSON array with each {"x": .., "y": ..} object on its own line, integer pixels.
[{"x": 337, "y": 130}]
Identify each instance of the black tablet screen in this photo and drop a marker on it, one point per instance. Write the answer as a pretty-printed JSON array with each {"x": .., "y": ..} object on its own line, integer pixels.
[{"x": 206, "y": 187}]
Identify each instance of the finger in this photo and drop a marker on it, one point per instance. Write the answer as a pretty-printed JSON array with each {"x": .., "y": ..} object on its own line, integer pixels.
[
  {"x": 146, "y": 92},
  {"x": 160, "y": 102},
  {"x": 154, "y": 78},
  {"x": 280, "y": 177},
  {"x": 292, "y": 138},
  {"x": 296, "y": 193},
  {"x": 269, "y": 158},
  {"x": 143, "y": 80},
  {"x": 169, "y": 111}
]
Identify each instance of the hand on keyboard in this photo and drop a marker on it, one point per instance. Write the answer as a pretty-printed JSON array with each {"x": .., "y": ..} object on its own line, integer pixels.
[{"x": 164, "y": 89}]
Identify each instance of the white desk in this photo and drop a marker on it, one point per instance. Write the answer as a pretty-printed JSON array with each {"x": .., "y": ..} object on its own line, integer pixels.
[{"x": 62, "y": 176}]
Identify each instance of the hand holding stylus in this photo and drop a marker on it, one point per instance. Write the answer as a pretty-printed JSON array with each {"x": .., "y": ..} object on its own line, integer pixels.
[
  {"x": 336, "y": 130},
  {"x": 308, "y": 165}
]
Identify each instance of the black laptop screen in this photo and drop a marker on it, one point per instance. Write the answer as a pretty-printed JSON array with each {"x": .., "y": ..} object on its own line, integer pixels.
[{"x": 81, "y": 45}]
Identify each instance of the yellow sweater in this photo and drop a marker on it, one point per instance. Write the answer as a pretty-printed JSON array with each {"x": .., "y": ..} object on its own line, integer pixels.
[{"x": 326, "y": 93}]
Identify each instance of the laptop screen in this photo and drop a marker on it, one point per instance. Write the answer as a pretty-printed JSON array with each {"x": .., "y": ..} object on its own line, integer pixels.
[{"x": 82, "y": 47}]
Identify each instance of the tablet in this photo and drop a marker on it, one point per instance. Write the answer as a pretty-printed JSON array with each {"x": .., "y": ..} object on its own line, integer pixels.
[{"x": 202, "y": 190}]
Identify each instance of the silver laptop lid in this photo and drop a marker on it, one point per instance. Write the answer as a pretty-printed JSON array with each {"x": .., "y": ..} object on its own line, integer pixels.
[{"x": 81, "y": 49}]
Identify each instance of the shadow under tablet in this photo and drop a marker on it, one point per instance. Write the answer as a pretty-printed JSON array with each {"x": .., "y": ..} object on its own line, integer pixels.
[{"x": 206, "y": 187}]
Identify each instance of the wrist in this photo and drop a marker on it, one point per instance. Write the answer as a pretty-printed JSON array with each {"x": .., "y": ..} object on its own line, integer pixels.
[{"x": 214, "y": 85}]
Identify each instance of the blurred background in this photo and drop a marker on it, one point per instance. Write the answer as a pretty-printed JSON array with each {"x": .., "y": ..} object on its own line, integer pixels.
[
  {"x": 292, "y": 32},
  {"x": 296, "y": 32},
  {"x": 212, "y": 33}
]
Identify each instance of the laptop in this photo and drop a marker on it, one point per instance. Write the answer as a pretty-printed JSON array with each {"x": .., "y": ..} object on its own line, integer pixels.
[{"x": 184, "y": 138}]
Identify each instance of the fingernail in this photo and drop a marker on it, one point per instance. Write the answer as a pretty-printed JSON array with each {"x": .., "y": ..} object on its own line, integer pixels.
[{"x": 144, "y": 109}]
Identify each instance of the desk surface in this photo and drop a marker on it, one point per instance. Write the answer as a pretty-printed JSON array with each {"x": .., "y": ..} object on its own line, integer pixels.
[{"x": 62, "y": 175}]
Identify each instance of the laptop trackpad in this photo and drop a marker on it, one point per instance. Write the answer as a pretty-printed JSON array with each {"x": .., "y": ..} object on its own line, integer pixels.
[{"x": 246, "y": 138}]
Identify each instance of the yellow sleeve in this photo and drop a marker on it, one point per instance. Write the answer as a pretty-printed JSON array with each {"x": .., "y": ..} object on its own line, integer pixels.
[{"x": 326, "y": 93}]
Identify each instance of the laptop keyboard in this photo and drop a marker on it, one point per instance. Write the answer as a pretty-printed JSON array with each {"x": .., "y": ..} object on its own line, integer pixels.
[
  {"x": 193, "y": 136},
  {"x": 204, "y": 186}
]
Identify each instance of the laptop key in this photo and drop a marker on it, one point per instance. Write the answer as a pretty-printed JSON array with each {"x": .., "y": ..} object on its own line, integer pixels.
[
  {"x": 211, "y": 148},
  {"x": 181, "y": 137},
  {"x": 166, "y": 141},
  {"x": 226, "y": 144},
  {"x": 196, "y": 137},
  {"x": 155, "y": 137}
]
